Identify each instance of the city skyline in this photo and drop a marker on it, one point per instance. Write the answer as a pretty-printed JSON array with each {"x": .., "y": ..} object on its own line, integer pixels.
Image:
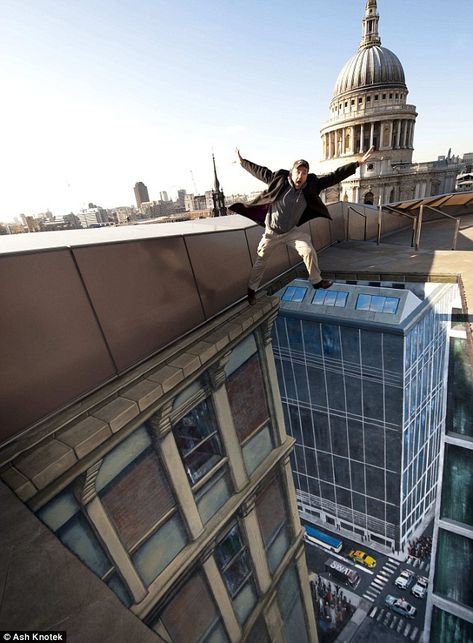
[{"x": 102, "y": 97}]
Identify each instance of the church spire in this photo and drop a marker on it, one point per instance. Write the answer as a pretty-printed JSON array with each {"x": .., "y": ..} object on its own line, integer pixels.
[
  {"x": 370, "y": 36},
  {"x": 216, "y": 184},
  {"x": 219, "y": 209}
]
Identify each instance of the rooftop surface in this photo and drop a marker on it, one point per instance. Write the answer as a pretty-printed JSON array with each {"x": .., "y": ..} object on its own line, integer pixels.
[
  {"x": 395, "y": 255},
  {"x": 381, "y": 305}
]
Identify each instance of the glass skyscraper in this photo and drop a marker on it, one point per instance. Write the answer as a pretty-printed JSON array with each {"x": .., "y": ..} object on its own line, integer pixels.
[
  {"x": 362, "y": 375},
  {"x": 449, "y": 615}
]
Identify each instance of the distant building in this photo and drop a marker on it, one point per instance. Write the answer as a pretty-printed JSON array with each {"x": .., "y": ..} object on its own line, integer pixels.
[
  {"x": 122, "y": 214},
  {"x": 163, "y": 196},
  {"x": 181, "y": 195},
  {"x": 197, "y": 202},
  {"x": 369, "y": 107},
  {"x": 141, "y": 193},
  {"x": 93, "y": 217},
  {"x": 362, "y": 374}
]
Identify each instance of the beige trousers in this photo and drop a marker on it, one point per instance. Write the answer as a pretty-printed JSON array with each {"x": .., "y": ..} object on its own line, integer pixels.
[{"x": 296, "y": 239}]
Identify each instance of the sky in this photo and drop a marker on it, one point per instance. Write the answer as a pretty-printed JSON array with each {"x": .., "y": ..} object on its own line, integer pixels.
[{"x": 100, "y": 94}]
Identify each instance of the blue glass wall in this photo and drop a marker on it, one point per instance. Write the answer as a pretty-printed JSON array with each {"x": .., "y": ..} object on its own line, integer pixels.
[
  {"x": 341, "y": 389},
  {"x": 424, "y": 413}
]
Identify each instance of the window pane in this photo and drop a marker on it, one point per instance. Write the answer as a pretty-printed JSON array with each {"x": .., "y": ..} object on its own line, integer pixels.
[
  {"x": 330, "y": 298},
  {"x": 229, "y": 547},
  {"x": 138, "y": 498},
  {"x": 390, "y": 305},
  {"x": 271, "y": 510},
  {"x": 197, "y": 440},
  {"x": 79, "y": 538},
  {"x": 299, "y": 294},
  {"x": 288, "y": 293},
  {"x": 259, "y": 633},
  {"x": 341, "y": 299},
  {"x": 257, "y": 449},
  {"x": 236, "y": 573},
  {"x": 363, "y": 302},
  {"x": 247, "y": 397},
  {"x": 278, "y": 548},
  {"x": 213, "y": 495},
  {"x": 204, "y": 457},
  {"x": 158, "y": 551},
  {"x": 189, "y": 625},
  {"x": 377, "y": 304},
  {"x": 319, "y": 297},
  {"x": 245, "y": 601}
]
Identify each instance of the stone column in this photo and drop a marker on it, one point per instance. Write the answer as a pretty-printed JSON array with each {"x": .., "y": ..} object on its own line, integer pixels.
[
  {"x": 352, "y": 140},
  {"x": 222, "y": 598},
  {"x": 108, "y": 535},
  {"x": 164, "y": 441},
  {"x": 225, "y": 422},
  {"x": 391, "y": 132},
  {"x": 303, "y": 574},
  {"x": 412, "y": 134},
  {"x": 343, "y": 141},
  {"x": 371, "y": 134},
  {"x": 291, "y": 496},
  {"x": 398, "y": 134},
  {"x": 404, "y": 133},
  {"x": 249, "y": 520},
  {"x": 273, "y": 620},
  {"x": 270, "y": 378},
  {"x": 361, "y": 138}
]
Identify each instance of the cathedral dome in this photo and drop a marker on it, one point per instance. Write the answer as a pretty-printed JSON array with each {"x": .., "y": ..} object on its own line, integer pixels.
[{"x": 371, "y": 67}]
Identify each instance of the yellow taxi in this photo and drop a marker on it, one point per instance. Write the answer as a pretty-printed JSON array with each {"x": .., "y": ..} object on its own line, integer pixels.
[{"x": 362, "y": 557}]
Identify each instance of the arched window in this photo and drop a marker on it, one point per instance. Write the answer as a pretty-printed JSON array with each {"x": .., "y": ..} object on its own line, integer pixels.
[{"x": 369, "y": 198}]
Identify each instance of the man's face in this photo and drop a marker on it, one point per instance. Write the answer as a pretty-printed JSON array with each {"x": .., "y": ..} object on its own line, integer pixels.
[{"x": 299, "y": 175}]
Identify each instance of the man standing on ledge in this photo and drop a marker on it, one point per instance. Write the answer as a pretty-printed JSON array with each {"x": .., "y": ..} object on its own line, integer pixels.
[{"x": 290, "y": 200}]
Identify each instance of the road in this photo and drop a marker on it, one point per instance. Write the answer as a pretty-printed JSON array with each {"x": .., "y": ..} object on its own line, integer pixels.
[{"x": 381, "y": 624}]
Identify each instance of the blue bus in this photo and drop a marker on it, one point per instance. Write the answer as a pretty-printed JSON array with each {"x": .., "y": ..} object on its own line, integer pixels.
[{"x": 317, "y": 537}]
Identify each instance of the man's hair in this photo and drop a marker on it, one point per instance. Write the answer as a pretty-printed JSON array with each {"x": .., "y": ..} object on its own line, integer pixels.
[{"x": 300, "y": 163}]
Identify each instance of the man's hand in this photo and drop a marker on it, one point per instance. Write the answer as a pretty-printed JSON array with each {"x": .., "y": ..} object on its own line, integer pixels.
[
  {"x": 367, "y": 155},
  {"x": 239, "y": 157}
]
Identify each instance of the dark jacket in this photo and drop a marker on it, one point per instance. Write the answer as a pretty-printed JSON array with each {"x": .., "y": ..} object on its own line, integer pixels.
[{"x": 277, "y": 182}]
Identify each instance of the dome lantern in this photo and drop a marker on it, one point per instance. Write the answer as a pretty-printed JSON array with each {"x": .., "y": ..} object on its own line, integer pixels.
[{"x": 370, "y": 25}]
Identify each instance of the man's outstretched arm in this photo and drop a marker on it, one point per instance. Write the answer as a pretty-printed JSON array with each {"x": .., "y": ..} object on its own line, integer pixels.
[
  {"x": 260, "y": 172},
  {"x": 343, "y": 172}
]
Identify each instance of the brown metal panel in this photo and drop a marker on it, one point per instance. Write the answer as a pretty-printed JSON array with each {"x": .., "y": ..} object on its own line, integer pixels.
[
  {"x": 51, "y": 349},
  {"x": 279, "y": 261},
  {"x": 320, "y": 232},
  {"x": 143, "y": 293},
  {"x": 337, "y": 225},
  {"x": 221, "y": 264}
]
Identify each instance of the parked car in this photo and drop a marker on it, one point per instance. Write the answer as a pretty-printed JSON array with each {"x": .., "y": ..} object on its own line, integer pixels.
[
  {"x": 405, "y": 579},
  {"x": 420, "y": 587},
  {"x": 400, "y": 605},
  {"x": 362, "y": 557}
]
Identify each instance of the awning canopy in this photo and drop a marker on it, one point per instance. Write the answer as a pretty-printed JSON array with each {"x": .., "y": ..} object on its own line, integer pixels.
[{"x": 439, "y": 201}]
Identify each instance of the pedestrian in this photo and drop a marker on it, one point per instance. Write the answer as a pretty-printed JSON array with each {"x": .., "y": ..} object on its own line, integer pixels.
[{"x": 290, "y": 200}]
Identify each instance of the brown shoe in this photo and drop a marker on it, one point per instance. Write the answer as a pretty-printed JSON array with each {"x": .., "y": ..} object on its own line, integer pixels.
[
  {"x": 323, "y": 283},
  {"x": 251, "y": 296}
]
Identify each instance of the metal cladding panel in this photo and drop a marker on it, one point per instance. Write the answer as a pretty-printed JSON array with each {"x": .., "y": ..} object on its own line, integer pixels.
[
  {"x": 51, "y": 350},
  {"x": 337, "y": 224},
  {"x": 143, "y": 292},
  {"x": 221, "y": 263},
  {"x": 320, "y": 232},
  {"x": 279, "y": 261}
]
